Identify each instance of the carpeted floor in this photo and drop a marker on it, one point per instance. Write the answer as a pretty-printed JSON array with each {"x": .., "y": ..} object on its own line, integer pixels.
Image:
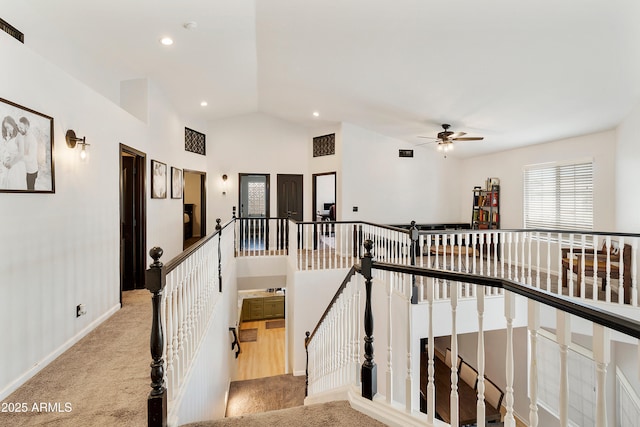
[
  {"x": 265, "y": 394},
  {"x": 334, "y": 414},
  {"x": 103, "y": 380}
]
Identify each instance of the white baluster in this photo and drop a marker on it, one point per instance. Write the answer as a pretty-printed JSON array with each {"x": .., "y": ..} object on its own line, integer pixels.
[
  {"x": 480, "y": 409},
  {"x": 454, "y": 358},
  {"x": 389, "y": 391},
  {"x": 608, "y": 271},
  {"x": 602, "y": 357},
  {"x": 634, "y": 272},
  {"x": 538, "y": 261},
  {"x": 509, "y": 313},
  {"x": 564, "y": 340},
  {"x": 549, "y": 267},
  {"x": 431, "y": 405},
  {"x": 409, "y": 331},
  {"x": 533, "y": 326},
  {"x": 621, "y": 269}
]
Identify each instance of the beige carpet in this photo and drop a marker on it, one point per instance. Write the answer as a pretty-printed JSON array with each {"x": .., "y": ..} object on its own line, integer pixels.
[
  {"x": 265, "y": 394},
  {"x": 321, "y": 415},
  {"x": 104, "y": 377}
]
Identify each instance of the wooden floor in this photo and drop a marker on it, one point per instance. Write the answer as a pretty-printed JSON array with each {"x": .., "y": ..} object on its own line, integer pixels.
[{"x": 263, "y": 357}]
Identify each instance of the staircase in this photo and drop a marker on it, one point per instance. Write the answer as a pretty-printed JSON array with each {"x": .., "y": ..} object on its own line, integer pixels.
[{"x": 279, "y": 401}]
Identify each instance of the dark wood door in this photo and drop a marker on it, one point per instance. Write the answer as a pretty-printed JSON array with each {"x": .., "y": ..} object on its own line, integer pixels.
[
  {"x": 132, "y": 219},
  {"x": 290, "y": 197}
]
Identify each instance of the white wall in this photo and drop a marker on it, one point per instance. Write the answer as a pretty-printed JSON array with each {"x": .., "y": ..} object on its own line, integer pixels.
[
  {"x": 508, "y": 166},
  {"x": 627, "y": 173},
  {"x": 63, "y": 249},
  {"x": 388, "y": 189},
  {"x": 253, "y": 143}
]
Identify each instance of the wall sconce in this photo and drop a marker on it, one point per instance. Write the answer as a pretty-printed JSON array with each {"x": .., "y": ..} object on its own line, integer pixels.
[
  {"x": 224, "y": 184},
  {"x": 72, "y": 141}
]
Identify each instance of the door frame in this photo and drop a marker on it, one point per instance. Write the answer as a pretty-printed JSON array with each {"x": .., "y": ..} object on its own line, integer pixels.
[
  {"x": 203, "y": 201},
  {"x": 314, "y": 192},
  {"x": 140, "y": 214},
  {"x": 267, "y": 192}
]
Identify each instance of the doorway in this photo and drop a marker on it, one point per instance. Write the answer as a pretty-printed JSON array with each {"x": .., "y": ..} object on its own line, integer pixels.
[
  {"x": 133, "y": 219},
  {"x": 253, "y": 200},
  {"x": 324, "y": 196},
  {"x": 195, "y": 207}
]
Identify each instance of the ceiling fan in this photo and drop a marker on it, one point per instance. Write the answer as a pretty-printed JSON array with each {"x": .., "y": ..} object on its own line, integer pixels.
[{"x": 446, "y": 138}]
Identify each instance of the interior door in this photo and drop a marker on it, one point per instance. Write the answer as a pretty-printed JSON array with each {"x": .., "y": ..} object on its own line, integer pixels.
[
  {"x": 290, "y": 196},
  {"x": 132, "y": 219}
]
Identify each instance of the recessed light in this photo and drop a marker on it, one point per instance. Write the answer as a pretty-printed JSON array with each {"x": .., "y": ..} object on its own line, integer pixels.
[
  {"x": 204, "y": 103},
  {"x": 316, "y": 114},
  {"x": 167, "y": 41}
]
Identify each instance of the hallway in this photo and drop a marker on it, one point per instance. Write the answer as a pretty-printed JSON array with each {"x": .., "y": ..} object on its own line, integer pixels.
[{"x": 102, "y": 380}]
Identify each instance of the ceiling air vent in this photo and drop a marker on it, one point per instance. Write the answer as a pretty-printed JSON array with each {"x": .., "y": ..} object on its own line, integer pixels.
[
  {"x": 13, "y": 32},
  {"x": 405, "y": 153}
]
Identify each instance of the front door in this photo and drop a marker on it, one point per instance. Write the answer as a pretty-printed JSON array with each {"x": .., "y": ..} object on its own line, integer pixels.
[
  {"x": 290, "y": 200},
  {"x": 254, "y": 211}
]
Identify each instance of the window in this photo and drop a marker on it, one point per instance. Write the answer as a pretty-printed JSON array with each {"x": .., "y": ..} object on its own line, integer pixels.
[{"x": 559, "y": 196}]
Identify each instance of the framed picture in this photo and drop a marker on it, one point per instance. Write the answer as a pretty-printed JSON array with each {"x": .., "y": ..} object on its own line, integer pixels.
[
  {"x": 176, "y": 183},
  {"x": 26, "y": 150},
  {"x": 158, "y": 180}
]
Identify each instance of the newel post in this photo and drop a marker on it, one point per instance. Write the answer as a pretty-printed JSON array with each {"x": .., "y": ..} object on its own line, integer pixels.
[
  {"x": 414, "y": 234},
  {"x": 369, "y": 373},
  {"x": 219, "y": 230},
  {"x": 157, "y": 401},
  {"x": 306, "y": 370}
]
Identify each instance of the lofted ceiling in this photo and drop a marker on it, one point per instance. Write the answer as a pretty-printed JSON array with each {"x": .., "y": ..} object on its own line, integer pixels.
[{"x": 517, "y": 73}]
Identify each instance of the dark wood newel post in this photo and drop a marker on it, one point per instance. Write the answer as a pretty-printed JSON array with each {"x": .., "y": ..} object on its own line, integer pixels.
[
  {"x": 219, "y": 230},
  {"x": 306, "y": 370},
  {"x": 415, "y": 250},
  {"x": 157, "y": 401},
  {"x": 369, "y": 372}
]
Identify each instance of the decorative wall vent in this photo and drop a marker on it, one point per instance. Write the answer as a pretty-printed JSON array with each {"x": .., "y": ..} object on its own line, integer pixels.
[
  {"x": 195, "y": 141},
  {"x": 11, "y": 30},
  {"x": 405, "y": 153},
  {"x": 324, "y": 145}
]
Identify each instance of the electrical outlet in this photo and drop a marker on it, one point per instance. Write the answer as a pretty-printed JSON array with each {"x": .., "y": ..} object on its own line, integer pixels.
[
  {"x": 355, "y": 209},
  {"x": 80, "y": 310}
]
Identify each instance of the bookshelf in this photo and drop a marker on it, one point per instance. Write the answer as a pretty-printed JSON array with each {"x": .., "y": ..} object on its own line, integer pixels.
[{"x": 486, "y": 208}]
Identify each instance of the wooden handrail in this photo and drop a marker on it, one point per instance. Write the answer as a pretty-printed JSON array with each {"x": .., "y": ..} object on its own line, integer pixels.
[
  {"x": 346, "y": 280},
  {"x": 178, "y": 259},
  {"x": 607, "y": 319}
]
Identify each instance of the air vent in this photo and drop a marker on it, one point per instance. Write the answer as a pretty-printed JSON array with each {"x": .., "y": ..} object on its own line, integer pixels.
[
  {"x": 405, "y": 153},
  {"x": 13, "y": 32}
]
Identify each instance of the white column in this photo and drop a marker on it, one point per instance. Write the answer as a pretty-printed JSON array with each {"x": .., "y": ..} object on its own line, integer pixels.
[{"x": 454, "y": 357}]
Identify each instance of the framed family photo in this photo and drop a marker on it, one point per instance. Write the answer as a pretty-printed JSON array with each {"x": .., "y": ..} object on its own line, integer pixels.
[
  {"x": 158, "y": 180},
  {"x": 176, "y": 183},
  {"x": 26, "y": 150}
]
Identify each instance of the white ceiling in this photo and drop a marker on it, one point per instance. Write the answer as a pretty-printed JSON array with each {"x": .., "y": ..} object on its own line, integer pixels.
[{"x": 515, "y": 72}]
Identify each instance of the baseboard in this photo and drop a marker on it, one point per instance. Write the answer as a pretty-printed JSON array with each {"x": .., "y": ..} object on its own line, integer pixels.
[
  {"x": 26, "y": 376},
  {"x": 299, "y": 373}
]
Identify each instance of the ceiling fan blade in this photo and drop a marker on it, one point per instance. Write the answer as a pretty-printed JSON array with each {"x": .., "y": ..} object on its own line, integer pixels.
[
  {"x": 457, "y": 135},
  {"x": 469, "y": 138},
  {"x": 428, "y": 137}
]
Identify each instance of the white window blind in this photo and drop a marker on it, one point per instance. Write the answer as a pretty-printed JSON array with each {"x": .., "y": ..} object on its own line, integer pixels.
[{"x": 559, "y": 196}]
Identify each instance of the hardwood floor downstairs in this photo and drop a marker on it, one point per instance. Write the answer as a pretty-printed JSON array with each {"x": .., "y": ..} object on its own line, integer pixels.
[{"x": 263, "y": 357}]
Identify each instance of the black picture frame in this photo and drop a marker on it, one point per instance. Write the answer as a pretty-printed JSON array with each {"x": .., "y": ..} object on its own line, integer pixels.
[
  {"x": 26, "y": 150},
  {"x": 158, "y": 180},
  {"x": 177, "y": 183}
]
